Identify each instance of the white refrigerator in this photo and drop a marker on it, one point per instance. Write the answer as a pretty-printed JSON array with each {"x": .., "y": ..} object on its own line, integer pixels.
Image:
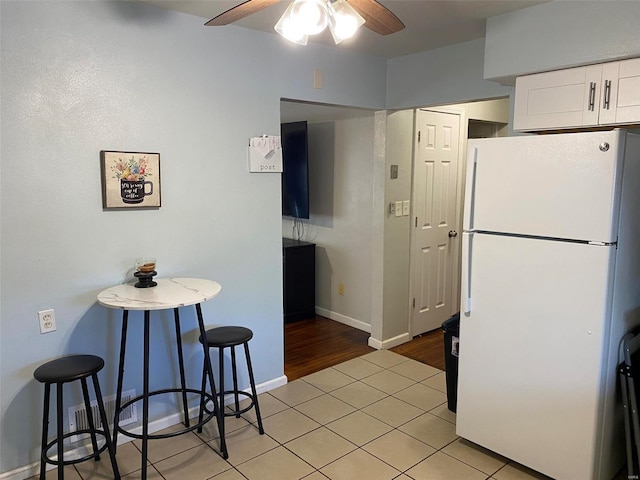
[{"x": 550, "y": 283}]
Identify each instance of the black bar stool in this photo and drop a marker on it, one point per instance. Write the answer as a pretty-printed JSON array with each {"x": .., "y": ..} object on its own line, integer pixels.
[
  {"x": 61, "y": 371},
  {"x": 231, "y": 337}
]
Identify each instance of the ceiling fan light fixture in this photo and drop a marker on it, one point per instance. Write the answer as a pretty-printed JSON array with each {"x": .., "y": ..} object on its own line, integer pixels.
[
  {"x": 310, "y": 15},
  {"x": 289, "y": 29},
  {"x": 344, "y": 21}
]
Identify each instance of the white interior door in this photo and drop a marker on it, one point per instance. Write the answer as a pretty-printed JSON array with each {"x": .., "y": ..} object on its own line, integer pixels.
[{"x": 435, "y": 243}]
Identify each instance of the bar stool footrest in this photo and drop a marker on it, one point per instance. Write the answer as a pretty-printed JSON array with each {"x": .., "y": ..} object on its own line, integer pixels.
[
  {"x": 190, "y": 428},
  {"x": 234, "y": 412},
  {"x": 73, "y": 461}
]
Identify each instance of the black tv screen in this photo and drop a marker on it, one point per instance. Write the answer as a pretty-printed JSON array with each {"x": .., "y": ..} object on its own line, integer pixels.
[{"x": 295, "y": 170}]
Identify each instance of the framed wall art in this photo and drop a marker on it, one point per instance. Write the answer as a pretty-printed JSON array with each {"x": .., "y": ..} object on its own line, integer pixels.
[{"x": 130, "y": 179}]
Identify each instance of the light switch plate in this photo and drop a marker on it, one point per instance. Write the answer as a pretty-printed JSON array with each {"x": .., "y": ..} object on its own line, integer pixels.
[
  {"x": 405, "y": 208},
  {"x": 399, "y": 208},
  {"x": 317, "y": 78}
]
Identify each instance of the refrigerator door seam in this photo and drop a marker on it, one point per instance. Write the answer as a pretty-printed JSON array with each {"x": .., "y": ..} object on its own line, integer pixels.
[{"x": 538, "y": 237}]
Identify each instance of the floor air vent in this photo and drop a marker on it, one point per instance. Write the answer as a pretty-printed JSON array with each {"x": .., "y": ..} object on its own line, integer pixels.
[{"x": 78, "y": 419}]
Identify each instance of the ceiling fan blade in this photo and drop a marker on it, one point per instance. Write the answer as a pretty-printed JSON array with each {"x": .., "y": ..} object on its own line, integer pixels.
[
  {"x": 377, "y": 17},
  {"x": 239, "y": 12}
]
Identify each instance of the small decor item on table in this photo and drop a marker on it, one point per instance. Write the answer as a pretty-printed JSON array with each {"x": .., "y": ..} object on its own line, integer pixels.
[{"x": 145, "y": 271}]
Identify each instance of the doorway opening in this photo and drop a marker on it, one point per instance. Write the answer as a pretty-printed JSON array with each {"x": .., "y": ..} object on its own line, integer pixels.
[{"x": 344, "y": 291}]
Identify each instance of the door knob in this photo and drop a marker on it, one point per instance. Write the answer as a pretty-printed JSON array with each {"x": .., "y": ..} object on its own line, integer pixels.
[{"x": 453, "y": 233}]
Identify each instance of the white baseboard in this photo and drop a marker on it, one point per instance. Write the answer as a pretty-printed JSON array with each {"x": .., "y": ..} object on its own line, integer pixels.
[
  {"x": 352, "y": 322},
  {"x": 22, "y": 473},
  {"x": 390, "y": 343},
  {"x": 272, "y": 384},
  {"x": 365, "y": 327}
]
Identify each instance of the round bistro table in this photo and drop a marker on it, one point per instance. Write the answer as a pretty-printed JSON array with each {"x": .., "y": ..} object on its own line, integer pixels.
[{"x": 169, "y": 293}]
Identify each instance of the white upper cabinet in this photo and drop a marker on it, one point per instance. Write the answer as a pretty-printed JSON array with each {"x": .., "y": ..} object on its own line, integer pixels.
[
  {"x": 621, "y": 104},
  {"x": 605, "y": 94}
]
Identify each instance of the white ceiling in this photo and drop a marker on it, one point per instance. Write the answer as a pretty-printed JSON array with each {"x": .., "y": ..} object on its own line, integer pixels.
[{"x": 429, "y": 23}]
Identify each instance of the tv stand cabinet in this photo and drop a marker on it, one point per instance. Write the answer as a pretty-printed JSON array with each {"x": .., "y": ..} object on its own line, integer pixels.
[{"x": 299, "y": 279}]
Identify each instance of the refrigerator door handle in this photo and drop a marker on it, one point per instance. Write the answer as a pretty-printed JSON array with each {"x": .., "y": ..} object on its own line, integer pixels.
[
  {"x": 471, "y": 190},
  {"x": 467, "y": 249}
]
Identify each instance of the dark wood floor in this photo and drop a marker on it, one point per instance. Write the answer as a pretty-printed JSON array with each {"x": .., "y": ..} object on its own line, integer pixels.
[{"x": 317, "y": 343}]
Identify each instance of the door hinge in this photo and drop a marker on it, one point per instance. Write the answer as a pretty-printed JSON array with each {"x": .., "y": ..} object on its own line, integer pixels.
[
  {"x": 416, "y": 223},
  {"x": 419, "y": 132},
  {"x": 414, "y": 303}
]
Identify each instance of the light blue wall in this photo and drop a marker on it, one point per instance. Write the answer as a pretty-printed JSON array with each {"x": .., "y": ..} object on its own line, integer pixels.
[
  {"x": 446, "y": 75},
  {"x": 78, "y": 77},
  {"x": 560, "y": 34}
]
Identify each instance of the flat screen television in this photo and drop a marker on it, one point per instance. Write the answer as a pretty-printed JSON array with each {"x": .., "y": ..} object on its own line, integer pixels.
[{"x": 295, "y": 169}]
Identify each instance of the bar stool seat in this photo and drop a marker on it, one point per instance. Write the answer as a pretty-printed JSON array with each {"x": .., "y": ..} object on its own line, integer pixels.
[
  {"x": 231, "y": 337},
  {"x": 65, "y": 370}
]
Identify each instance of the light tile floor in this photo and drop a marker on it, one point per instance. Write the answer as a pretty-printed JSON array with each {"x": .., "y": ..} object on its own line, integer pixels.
[{"x": 381, "y": 416}]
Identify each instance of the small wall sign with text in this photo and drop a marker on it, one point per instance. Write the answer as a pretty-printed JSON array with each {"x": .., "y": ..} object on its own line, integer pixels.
[
  {"x": 130, "y": 179},
  {"x": 265, "y": 154}
]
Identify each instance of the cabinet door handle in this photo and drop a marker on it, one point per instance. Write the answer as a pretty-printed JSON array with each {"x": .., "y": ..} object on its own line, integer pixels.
[
  {"x": 607, "y": 94},
  {"x": 592, "y": 96}
]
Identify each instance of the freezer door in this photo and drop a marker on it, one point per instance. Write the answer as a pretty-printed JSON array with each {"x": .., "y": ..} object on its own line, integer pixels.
[
  {"x": 561, "y": 186},
  {"x": 531, "y": 348}
]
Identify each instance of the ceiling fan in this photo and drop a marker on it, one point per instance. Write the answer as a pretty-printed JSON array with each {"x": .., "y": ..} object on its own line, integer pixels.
[{"x": 371, "y": 13}]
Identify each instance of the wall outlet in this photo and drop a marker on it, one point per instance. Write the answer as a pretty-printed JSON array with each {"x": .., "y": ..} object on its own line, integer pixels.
[
  {"x": 340, "y": 289},
  {"x": 47, "y": 321}
]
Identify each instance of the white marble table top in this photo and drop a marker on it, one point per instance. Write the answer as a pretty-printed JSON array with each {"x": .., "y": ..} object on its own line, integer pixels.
[{"x": 169, "y": 293}]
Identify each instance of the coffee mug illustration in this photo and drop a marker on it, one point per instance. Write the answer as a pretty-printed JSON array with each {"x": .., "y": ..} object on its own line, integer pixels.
[
  {"x": 133, "y": 172},
  {"x": 135, "y": 191}
]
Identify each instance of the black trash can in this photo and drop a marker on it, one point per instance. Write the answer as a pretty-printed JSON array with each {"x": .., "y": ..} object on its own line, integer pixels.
[{"x": 451, "y": 328}]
